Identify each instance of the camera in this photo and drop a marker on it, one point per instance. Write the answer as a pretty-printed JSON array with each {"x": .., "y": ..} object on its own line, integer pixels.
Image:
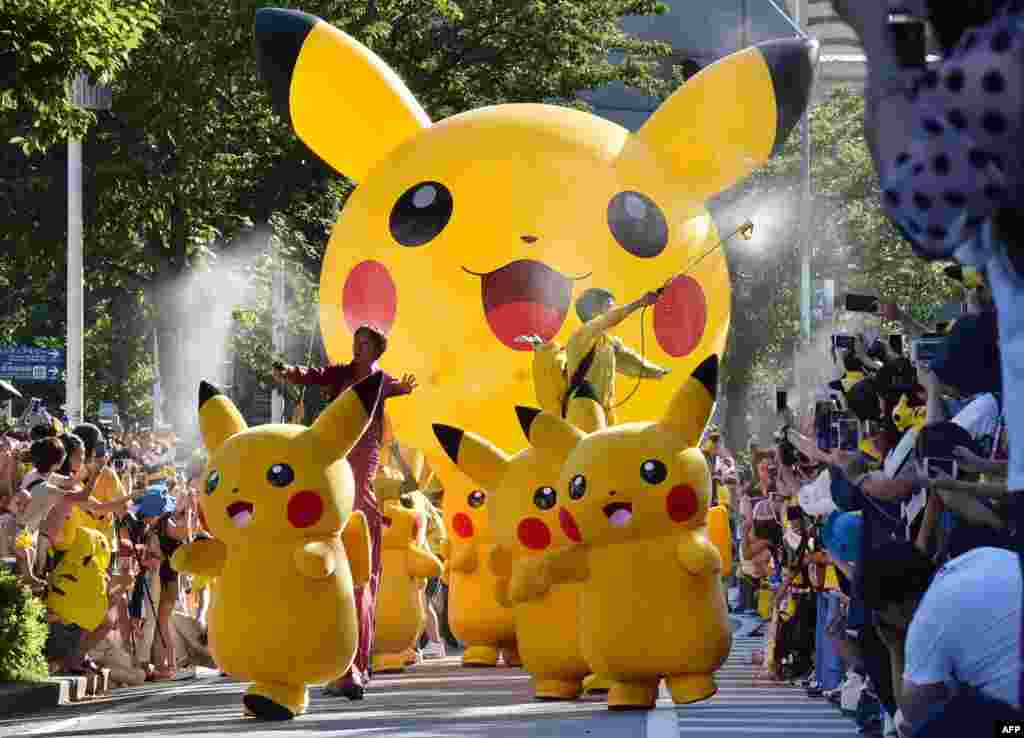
[
  {"x": 908, "y": 35},
  {"x": 843, "y": 342},
  {"x": 948, "y": 467},
  {"x": 925, "y": 349}
]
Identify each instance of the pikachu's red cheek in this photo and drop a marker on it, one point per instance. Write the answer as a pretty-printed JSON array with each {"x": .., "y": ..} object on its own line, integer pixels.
[
  {"x": 681, "y": 503},
  {"x": 680, "y": 316},
  {"x": 369, "y": 297},
  {"x": 462, "y": 525},
  {"x": 534, "y": 534},
  {"x": 305, "y": 509}
]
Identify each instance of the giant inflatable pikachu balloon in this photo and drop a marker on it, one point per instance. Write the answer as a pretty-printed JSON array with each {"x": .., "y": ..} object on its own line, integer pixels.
[
  {"x": 287, "y": 547},
  {"x": 466, "y": 233},
  {"x": 524, "y": 522},
  {"x": 652, "y": 604}
]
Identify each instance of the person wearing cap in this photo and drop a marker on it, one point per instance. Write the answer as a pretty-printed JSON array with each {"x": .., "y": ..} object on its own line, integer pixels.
[
  {"x": 159, "y": 529},
  {"x": 592, "y": 358}
]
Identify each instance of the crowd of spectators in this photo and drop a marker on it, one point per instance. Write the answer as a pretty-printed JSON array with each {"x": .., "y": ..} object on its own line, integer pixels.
[
  {"x": 89, "y": 522},
  {"x": 876, "y": 537}
]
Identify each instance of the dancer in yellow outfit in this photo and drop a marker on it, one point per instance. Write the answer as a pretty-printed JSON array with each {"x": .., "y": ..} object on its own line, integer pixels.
[{"x": 591, "y": 357}]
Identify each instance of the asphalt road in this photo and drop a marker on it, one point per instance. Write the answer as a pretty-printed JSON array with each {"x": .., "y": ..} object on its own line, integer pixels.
[{"x": 440, "y": 699}]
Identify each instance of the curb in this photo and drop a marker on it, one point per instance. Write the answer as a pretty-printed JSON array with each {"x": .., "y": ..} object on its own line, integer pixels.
[{"x": 19, "y": 698}]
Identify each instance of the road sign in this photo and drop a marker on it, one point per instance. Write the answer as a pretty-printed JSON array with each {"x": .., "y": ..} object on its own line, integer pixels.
[{"x": 30, "y": 364}]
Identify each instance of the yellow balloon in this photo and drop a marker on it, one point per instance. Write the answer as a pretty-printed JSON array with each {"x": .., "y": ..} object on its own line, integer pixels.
[{"x": 465, "y": 233}]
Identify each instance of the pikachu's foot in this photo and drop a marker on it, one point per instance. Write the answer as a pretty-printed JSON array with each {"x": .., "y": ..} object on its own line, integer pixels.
[
  {"x": 266, "y": 701},
  {"x": 596, "y": 684},
  {"x": 687, "y": 688},
  {"x": 557, "y": 689},
  {"x": 480, "y": 656},
  {"x": 511, "y": 656},
  {"x": 388, "y": 663},
  {"x": 632, "y": 695}
]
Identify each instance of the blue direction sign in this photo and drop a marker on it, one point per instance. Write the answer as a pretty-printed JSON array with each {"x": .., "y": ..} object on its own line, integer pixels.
[{"x": 30, "y": 364}]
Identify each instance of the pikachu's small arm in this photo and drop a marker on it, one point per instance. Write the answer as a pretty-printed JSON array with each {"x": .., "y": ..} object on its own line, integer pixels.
[
  {"x": 534, "y": 578},
  {"x": 422, "y": 564},
  {"x": 698, "y": 555},
  {"x": 465, "y": 559},
  {"x": 316, "y": 559},
  {"x": 356, "y": 540},
  {"x": 205, "y": 557}
]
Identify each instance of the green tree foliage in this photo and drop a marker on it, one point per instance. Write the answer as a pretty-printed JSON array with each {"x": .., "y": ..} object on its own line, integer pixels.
[
  {"x": 192, "y": 164},
  {"x": 852, "y": 240},
  {"x": 22, "y": 632},
  {"x": 44, "y": 44}
]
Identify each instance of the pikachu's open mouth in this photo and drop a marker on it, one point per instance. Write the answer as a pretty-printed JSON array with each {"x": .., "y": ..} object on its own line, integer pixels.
[
  {"x": 525, "y": 297},
  {"x": 240, "y": 513},
  {"x": 619, "y": 514}
]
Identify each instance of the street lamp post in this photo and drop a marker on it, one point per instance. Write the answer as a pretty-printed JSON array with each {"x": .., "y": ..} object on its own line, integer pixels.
[{"x": 91, "y": 97}]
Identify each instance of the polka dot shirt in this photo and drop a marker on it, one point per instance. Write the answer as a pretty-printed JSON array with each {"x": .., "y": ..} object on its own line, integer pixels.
[{"x": 962, "y": 166}]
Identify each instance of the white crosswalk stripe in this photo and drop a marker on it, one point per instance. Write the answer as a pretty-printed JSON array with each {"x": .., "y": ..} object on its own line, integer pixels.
[{"x": 745, "y": 706}]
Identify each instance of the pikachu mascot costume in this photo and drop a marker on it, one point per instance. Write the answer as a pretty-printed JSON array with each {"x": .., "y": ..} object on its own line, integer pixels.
[
  {"x": 399, "y": 486},
  {"x": 405, "y": 565},
  {"x": 525, "y": 522},
  {"x": 564, "y": 200},
  {"x": 286, "y": 549},
  {"x": 475, "y": 613},
  {"x": 652, "y": 604}
]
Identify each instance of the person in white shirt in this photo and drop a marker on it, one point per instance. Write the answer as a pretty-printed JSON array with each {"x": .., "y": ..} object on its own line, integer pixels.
[{"x": 962, "y": 624}]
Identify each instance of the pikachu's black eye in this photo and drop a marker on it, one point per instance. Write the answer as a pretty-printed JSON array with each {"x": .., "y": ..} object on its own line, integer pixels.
[
  {"x": 280, "y": 475},
  {"x": 638, "y": 224},
  {"x": 421, "y": 213},
  {"x": 653, "y": 471},
  {"x": 545, "y": 498}
]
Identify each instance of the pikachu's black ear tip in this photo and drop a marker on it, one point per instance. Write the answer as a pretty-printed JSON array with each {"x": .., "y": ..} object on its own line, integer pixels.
[
  {"x": 792, "y": 63},
  {"x": 207, "y": 391},
  {"x": 279, "y": 34}
]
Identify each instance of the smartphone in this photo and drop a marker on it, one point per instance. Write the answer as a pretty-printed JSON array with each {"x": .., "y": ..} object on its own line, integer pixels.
[
  {"x": 896, "y": 343},
  {"x": 946, "y": 466},
  {"x": 862, "y": 303},
  {"x": 843, "y": 342},
  {"x": 845, "y": 434},
  {"x": 925, "y": 349},
  {"x": 907, "y": 34},
  {"x": 781, "y": 401}
]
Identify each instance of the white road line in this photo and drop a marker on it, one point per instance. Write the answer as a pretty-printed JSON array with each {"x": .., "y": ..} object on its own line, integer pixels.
[
  {"x": 75, "y": 722},
  {"x": 662, "y": 723}
]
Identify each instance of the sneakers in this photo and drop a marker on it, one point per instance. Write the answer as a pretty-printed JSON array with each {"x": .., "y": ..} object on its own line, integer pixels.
[
  {"x": 433, "y": 651},
  {"x": 889, "y": 727}
]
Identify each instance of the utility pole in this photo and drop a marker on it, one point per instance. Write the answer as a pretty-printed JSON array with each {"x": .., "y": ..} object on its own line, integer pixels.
[
  {"x": 801, "y": 17},
  {"x": 277, "y": 317},
  {"x": 91, "y": 97}
]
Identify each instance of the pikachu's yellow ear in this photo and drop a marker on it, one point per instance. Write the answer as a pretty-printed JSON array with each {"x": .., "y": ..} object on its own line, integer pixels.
[
  {"x": 729, "y": 118},
  {"x": 343, "y": 422},
  {"x": 548, "y": 432},
  {"x": 691, "y": 407},
  {"x": 219, "y": 419},
  {"x": 341, "y": 99},
  {"x": 480, "y": 460}
]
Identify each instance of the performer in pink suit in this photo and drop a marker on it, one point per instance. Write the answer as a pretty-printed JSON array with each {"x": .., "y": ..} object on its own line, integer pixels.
[{"x": 368, "y": 346}]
